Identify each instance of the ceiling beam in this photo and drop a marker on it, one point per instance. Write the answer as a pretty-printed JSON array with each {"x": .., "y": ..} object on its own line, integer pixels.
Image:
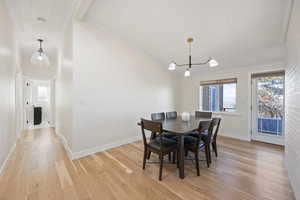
[
  {"x": 287, "y": 19},
  {"x": 81, "y": 9}
]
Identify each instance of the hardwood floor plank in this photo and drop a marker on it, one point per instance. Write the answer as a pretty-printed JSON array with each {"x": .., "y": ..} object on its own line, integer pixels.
[{"x": 40, "y": 169}]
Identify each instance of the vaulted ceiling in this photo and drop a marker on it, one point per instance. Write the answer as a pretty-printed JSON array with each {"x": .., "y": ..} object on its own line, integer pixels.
[
  {"x": 235, "y": 32},
  {"x": 25, "y": 14}
]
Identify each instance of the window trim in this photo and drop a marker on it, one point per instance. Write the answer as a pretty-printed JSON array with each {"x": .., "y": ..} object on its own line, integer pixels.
[
  {"x": 264, "y": 74},
  {"x": 218, "y": 82}
]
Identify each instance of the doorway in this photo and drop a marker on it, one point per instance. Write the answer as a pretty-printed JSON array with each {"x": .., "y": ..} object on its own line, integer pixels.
[
  {"x": 268, "y": 98},
  {"x": 38, "y": 104}
]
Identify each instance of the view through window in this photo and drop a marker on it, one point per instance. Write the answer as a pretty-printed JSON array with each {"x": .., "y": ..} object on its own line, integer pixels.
[
  {"x": 43, "y": 93},
  {"x": 270, "y": 103},
  {"x": 218, "y": 96}
]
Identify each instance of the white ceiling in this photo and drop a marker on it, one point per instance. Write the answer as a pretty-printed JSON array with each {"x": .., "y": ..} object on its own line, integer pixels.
[
  {"x": 25, "y": 13},
  {"x": 235, "y": 32}
]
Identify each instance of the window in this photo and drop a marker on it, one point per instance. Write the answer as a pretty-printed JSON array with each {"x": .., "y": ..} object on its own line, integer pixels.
[
  {"x": 43, "y": 93},
  {"x": 219, "y": 95}
]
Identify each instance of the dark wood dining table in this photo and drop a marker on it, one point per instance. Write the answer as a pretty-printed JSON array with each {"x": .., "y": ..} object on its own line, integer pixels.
[{"x": 180, "y": 128}]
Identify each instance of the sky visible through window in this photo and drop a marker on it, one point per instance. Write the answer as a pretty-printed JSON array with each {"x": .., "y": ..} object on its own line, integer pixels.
[
  {"x": 219, "y": 97},
  {"x": 43, "y": 93},
  {"x": 229, "y": 94}
]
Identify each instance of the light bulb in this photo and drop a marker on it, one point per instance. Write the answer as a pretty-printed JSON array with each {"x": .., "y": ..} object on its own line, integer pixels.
[
  {"x": 172, "y": 66},
  {"x": 40, "y": 60},
  {"x": 187, "y": 73},
  {"x": 213, "y": 63}
]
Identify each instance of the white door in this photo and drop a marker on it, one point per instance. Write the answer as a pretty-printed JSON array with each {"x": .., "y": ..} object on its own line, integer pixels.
[
  {"x": 37, "y": 94},
  {"x": 268, "y": 109}
]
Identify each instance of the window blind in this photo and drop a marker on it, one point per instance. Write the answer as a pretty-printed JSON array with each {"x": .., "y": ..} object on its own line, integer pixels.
[
  {"x": 218, "y": 82},
  {"x": 266, "y": 74}
]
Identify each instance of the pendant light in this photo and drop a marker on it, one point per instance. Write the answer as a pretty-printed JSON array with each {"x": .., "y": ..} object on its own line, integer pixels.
[
  {"x": 39, "y": 58},
  {"x": 211, "y": 62}
]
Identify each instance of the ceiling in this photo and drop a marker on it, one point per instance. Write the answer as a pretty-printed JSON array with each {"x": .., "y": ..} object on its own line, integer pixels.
[
  {"x": 235, "y": 32},
  {"x": 25, "y": 13}
]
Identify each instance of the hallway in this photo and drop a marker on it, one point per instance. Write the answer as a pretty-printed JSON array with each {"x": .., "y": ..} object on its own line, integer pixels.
[{"x": 40, "y": 169}]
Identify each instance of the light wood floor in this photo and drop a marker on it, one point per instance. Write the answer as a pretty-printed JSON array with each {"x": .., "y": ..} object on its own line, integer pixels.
[{"x": 40, "y": 169}]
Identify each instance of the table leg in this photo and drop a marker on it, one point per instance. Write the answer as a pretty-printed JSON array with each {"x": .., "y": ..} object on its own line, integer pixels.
[{"x": 181, "y": 157}]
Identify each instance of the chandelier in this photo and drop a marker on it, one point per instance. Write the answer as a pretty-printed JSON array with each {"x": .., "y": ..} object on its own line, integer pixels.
[
  {"x": 211, "y": 62},
  {"x": 39, "y": 58}
]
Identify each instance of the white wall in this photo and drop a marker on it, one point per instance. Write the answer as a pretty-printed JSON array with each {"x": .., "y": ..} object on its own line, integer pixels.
[
  {"x": 114, "y": 85},
  {"x": 7, "y": 86},
  {"x": 64, "y": 91},
  {"x": 236, "y": 125},
  {"x": 19, "y": 112},
  {"x": 292, "y": 149}
]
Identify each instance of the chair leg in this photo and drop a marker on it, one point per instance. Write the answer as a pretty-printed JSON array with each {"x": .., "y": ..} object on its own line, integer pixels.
[
  {"x": 161, "y": 158},
  {"x": 177, "y": 155},
  {"x": 148, "y": 155},
  {"x": 144, "y": 159},
  {"x": 207, "y": 156},
  {"x": 174, "y": 157},
  {"x": 209, "y": 153},
  {"x": 214, "y": 144},
  {"x": 197, "y": 162},
  {"x": 186, "y": 153}
]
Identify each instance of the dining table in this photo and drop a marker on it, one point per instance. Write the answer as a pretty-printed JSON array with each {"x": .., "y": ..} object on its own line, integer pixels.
[{"x": 181, "y": 128}]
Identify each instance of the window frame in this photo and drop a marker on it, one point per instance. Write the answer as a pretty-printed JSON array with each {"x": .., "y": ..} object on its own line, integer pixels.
[{"x": 218, "y": 82}]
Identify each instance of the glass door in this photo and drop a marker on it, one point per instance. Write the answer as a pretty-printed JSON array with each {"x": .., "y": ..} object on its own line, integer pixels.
[{"x": 268, "y": 109}]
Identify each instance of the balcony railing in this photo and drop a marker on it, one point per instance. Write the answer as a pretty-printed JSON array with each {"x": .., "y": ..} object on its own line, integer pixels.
[{"x": 269, "y": 125}]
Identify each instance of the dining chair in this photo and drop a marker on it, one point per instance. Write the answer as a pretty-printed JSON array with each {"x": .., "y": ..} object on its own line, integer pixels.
[
  {"x": 201, "y": 114},
  {"x": 171, "y": 115},
  {"x": 192, "y": 143},
  {"x": 160, "y": 145},
  {"x": 162, "y": 116},
  {"x": 208, "y": 139},
  {"x": 155, "y": 116}
]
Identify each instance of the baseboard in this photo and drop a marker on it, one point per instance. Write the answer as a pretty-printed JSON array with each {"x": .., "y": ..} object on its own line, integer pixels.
[
  {"x": 94, "y": 150},
  {"x": 292, "y": 170},
  {"x": 90, "y": 151},
  {"x": 236, "y": 137},
  {"x": 65, "y": 144},
  {"x": 12, "y": 149}
]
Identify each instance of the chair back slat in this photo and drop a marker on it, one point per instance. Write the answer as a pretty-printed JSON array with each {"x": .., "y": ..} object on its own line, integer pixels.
[
  {"x": 158, "y": 116},
  {"x": 171, "y": 115},
  {"x": 214, "y": 123},
  {"x": 152, "y": 126},
  {"x": 200, "y": 114},
  {"x": 217, "y": 122},
  {"x": 203, "y": 126}
]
